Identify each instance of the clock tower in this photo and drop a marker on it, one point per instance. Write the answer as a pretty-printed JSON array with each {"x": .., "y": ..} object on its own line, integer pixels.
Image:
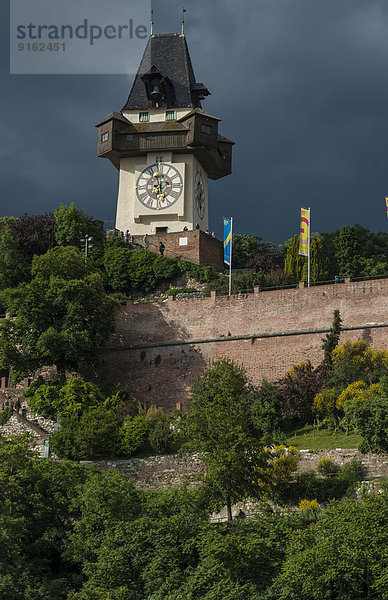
[{"x": 164, "y": 145}]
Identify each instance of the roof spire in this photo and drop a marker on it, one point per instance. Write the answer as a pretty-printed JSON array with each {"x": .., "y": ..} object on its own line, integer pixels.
[
  {"x": 182, "y": 34},
  {"x": 152, "y": 21}
]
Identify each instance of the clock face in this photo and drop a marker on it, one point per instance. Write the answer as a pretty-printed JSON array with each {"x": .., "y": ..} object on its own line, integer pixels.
[
  {"x": 159, "y": 186},
  {"x": 199, "y": 192}
]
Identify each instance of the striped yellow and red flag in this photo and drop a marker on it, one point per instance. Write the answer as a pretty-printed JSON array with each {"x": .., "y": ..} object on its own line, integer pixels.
[
  {"x": 304, "y": 231},
  {"x": 386, "y": 204}
]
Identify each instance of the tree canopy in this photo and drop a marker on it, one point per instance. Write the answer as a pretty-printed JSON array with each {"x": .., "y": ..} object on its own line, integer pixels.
[
  {"x": 56, "y": 319},
  {"x": 219, "y": 425}
]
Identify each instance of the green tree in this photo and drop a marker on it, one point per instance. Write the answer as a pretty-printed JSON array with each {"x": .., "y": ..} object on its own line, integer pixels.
[
  {"x": 70, "y": 225},
  {"x": 60, "y": 262},
  {"x": 343, "y": 555},
  {"x": 36, "y": 518},
  {"x": 13, "y": 266},
  {"x": 348, "y": 251},
  {"x": 369, "y": 249},
  {"x": 330, "y": 341},
  {"x": 134, "y": 546},
  {"x": 219, "y": 425},
  {"x": 42, "y": 398},
  {"x": 353, "y": 361},
  {"x": 245, "y": 248},
  {"x": 56, "y": 320},
  {"x": 140, "y": 269},
  {"x": 105, "y": 501},
  {"x": 73, "y": 397},
  {"x": 266, "y": 410},
  {"x": 92, "y": 436},
  {"x": 367, "y": 410},
  {"x": 117, "y": 268},
  {"x": 297, "y": 266}
]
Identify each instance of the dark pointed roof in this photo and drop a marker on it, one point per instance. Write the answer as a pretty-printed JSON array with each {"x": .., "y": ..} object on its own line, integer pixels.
[{"x": 169, "y": 54}]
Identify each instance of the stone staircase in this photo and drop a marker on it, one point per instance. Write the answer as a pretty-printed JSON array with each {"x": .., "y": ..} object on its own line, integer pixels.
[{"x": 28, "y": 422}]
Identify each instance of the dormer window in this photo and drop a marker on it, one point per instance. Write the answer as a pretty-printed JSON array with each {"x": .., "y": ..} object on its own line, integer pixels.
[
  {"x": 170, "y": 115},
  {"x": 206, "y": 129},
  {"x": 144, "y": 117}
]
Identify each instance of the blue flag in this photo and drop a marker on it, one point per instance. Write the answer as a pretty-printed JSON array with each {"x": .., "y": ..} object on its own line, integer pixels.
[{"x": 227, "y": 240}]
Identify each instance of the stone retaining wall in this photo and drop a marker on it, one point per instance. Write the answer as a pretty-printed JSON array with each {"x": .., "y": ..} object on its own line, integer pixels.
[
  {"x": 157, "y": 472},
  {"x": 376, "y": 465}
]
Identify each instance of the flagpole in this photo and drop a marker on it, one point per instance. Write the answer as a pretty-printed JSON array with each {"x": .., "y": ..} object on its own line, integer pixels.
[
  {"x": 230, "y": 265},
  {"x": 308, "y": 257}
]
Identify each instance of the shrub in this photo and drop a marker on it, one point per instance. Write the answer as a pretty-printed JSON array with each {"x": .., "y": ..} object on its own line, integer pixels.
[
  {"x": 5, "y": 415},
  {"x": 370, "y": 420},
  {"x": 326, "y": 466},
  {"x": 161, "y": 434},
  {"x": 73, "y": 397},
  {"x": 117, "y": 268},
  {"x": 266, "y": 411},
  {"x": 200, "y": 274},
  {"x": 324, "y": 404},
  {"x": 165, "y": 268},
  {"x": 140, "y": 267},
  {"x": 43, "y": 398},
  {"x": 76, "y": 396},
  {"x": 134, "y": 434},
  {"x": 356, "y": 392},
  {"x": 184, "y": 290},
  {"x": 61, "y": 262},
  {"x": 354, "y": 361},
  {"x": 283, "y": 463},
  {"x": 309, "y": 486},
  {"x": 308, "y": 505},
  {"x": 93, "y": 436},
  {"x": 151, "y": 430},
  {"x": 353, "y": 469}
]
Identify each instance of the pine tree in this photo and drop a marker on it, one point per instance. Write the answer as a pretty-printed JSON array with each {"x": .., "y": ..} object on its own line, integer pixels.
[{"x": 331, "y": 340}]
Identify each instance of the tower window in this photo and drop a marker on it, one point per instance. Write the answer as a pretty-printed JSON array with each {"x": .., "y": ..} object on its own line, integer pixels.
[
  {"x": 105, "y": 136},
  {"x": 206, "y": 129},
  {"x": 144, "y": 117},
  {"x": 129, "y": 137},
  {"x": 170, "y": 115}
]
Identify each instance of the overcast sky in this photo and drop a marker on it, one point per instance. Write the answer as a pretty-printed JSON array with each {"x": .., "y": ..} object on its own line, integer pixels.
[{"x": 301, "y": 86}]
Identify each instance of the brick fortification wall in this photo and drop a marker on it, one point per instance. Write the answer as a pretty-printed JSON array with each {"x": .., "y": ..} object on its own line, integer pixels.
[
  {"x": 159, "y": 348},
  {"x": 197, "y": 246}
]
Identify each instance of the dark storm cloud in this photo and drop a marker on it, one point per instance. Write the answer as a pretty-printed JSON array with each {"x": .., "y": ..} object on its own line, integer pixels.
[{"x": 300, "y": 85}]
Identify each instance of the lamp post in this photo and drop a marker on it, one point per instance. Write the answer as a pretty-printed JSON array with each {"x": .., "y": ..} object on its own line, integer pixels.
[{"x": 86, "y": 246}]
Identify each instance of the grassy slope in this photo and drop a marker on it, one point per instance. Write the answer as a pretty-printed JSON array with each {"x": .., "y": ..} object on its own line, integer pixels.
[{"x": 306, "y": 438}]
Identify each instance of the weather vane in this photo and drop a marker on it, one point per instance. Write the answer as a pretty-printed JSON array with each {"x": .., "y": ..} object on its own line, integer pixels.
[
  {"x": 183, "y": 22},
  {"x": 152, "y": 21}
]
